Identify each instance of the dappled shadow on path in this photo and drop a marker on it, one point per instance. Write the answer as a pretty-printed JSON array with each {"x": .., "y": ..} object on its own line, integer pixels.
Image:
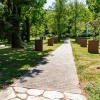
[
  {"x": 16, "y": 62},
  {"x": 31, "y": 74}
]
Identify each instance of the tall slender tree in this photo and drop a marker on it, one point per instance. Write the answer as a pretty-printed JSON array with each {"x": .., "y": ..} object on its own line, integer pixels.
[
  {"x": 94, "y": 6},
  {"x": 60, "y": 9},
  {"x": 76, "y": 8}
]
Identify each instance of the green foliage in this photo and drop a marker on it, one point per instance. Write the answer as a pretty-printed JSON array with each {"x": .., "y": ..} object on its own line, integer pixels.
[
  {"x": 60, "y": 16},
  {"x": 94, "y": 6},
  {"x": 1, "y": 9},
  {"x": 58, "y": 20},
  {"x": 78, "y": 16},
  {"x": 98, "y": 37},
  {"x": 96, "y": 23},
  {"x": 38, "y": 21},
  {"x": 96, "y": 27},
  {"x": 16, "y": 11},
  {"x": 50, "y": 21}
]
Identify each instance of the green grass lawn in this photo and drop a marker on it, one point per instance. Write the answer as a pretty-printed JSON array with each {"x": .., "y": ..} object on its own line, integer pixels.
[
  {"x": 16, "y": 62},
  {"x": 88, "y": 69}
]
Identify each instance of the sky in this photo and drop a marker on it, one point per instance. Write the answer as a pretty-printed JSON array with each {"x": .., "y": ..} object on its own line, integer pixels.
[{"x": 49, "y": 3}]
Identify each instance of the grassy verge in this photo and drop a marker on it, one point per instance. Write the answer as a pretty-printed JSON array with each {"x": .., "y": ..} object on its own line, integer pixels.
[
  {"x": 16, "y": 62},
  {"x": 88, "y": 69}
]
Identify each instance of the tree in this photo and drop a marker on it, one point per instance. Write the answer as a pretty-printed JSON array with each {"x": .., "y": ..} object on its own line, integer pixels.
[
  {"x": 50, "y": 21},
  {"x": 14, "y": 13},
  {"x": 94, "y": 6},
  {"x": 1, "y": 9},
  {"x": 60, "y": 14},
  {"x": 33, "y": 16},
  {"x": 78, "y": 16},
  {"x": 70, "y": 21},
  {"x": 38, "y": 21},
  {"x": 2, "y": 22}
]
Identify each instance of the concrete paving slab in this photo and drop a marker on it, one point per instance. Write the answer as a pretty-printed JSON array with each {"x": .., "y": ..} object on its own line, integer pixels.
[{"x": 7, "y": 94}]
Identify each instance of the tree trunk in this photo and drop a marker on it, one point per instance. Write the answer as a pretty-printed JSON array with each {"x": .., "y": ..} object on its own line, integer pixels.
[
  {"x": 75, "y": 18},
  {"x": 16, "y": 38},
  {"x": 58, "y": 26},
  {"x": 27, "y": 30},
  {"x": 2, "y": 1},
  {"x": 59, "y": 20}
]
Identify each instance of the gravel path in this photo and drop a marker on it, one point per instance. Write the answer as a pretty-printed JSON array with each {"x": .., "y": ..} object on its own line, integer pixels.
[{"x": 56, "y": 72}]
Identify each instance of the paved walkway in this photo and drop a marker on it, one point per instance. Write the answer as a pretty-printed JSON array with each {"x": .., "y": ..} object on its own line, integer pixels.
[{"x": 54, "y": 78}]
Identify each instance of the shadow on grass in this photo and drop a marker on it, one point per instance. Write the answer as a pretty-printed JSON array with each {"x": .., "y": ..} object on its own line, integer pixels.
[
  {"x": 94, "y": 53},
  {"x": 16, "y": 62}
]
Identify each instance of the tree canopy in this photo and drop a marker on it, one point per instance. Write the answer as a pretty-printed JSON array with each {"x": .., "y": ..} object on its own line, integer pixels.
[{"x": 64, "y": 18}]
